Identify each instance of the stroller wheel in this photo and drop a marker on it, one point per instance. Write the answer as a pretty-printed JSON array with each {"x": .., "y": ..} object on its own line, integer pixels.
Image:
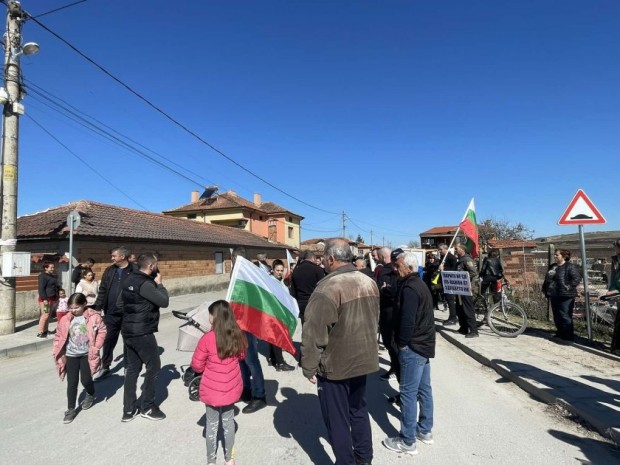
[{"x": 193, "y": 388}]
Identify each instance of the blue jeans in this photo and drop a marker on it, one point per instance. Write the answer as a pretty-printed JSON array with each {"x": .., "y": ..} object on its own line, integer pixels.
[
  {"x": 415, "y": 386},
  {"x": 251, "y": 371}
]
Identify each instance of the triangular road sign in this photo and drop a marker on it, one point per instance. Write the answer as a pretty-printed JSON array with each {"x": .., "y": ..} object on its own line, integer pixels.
[{"x": 581, "y": 210}]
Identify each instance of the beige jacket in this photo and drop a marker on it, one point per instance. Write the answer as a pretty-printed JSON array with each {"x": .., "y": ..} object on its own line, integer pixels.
[{"x": 339, "y": 338}]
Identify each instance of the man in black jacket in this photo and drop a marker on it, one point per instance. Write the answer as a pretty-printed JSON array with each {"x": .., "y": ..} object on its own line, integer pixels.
[
  {"x": 142, "y": 296},
  {"x": 416, "y": 345},
  {"x": 306, "y": 276},
  {"x": 465, "y": 303},
  {"x": 107, "y": 298},
  {"x": 387, "y": 281}
]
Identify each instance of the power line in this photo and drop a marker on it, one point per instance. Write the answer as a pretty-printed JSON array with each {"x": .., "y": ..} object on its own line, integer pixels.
[
  {"x": 85, "y": 163},
  {"x": 60, "y": 8},
  {"x": 172, "y": 119}
]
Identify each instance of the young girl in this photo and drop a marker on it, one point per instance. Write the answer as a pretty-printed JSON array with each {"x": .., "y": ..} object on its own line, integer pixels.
[
  {"x": 79, "y": 337},
  {"x": 63, "y": 302},
  {"x": 217, "y": 358}
]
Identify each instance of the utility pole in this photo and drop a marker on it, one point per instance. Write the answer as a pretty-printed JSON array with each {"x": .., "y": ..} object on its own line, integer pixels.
[
  {"x": 10, "y": 140},
  {"x": 344, "y": 227}
]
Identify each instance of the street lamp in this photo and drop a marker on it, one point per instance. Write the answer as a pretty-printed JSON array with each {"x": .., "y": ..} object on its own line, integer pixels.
[{"x": 10, "y": 96}]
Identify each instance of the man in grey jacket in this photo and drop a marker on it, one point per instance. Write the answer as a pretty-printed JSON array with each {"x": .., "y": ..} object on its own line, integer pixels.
[{"x": 339, "y": 348}]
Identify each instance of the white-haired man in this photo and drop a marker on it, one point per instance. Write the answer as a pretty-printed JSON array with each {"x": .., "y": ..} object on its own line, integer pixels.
[
  {"x": 339, "y": 348},
  {"x": 416, "y": 345}
]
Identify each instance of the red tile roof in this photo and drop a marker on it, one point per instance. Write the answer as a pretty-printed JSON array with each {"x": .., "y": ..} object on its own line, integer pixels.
[
  {"x": 511, "y": 244},
  {"x": 228, "y": 200},
  {"x": 108, "y": 221},
  {"x": 440, "y": 231}
]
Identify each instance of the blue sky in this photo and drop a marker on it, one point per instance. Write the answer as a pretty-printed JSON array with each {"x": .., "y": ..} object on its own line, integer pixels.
[{"x": 395, "y": 112}]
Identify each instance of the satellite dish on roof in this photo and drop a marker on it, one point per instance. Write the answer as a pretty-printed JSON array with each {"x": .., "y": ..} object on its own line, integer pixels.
[{"x": 208, "y": 193}]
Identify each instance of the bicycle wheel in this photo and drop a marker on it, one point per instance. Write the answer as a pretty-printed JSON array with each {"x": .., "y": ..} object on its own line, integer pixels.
[
  {"x": 507, "y": 319},
  {"x": 480, "y": 309}
]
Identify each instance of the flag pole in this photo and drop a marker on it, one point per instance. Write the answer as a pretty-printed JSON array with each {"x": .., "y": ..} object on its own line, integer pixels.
[{"x": 458, "y": 229}]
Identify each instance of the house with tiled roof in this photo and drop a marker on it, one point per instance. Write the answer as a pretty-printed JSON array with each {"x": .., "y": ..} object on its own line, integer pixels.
[
  {"x": 433, "y": 237},
  {"x": 193, "y": 256},
  {"x": 266, "y": 219}
]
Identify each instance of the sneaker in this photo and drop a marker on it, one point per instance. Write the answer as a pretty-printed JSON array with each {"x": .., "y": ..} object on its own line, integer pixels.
[
  {"x": 472, "y": 335},
  {"x": 394, "y": 400},
  {"x": 88, "y": 402},
  {"x": 397, "y": 444},
  {"x": 463, "y": 330},
  {"x": 42, "y": 335},
  {"x": 450, "y": 322},
  {"x": 52, "y": 332},
  {"x": 70, "y": 415},
  {"x": 101, "y": 374},
  {"x": 389, "y": 376},
  {"x": 128, "y": 416},
  {"x": 284, "y": 367},
  {"x": 426, "y": 438},
  {"x": 255, "y": 405},
  {"x": 154, "y": 414}
]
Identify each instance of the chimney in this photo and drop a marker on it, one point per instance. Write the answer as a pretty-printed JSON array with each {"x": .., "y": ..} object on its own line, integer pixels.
[
  {"x": 195, "y": 196},
  {"x": 258, "y": 200}
]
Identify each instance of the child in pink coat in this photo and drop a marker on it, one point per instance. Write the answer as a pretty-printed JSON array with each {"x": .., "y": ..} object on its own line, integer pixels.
[
  {"x": 79, "y": 337},
  {"x": 217, "y": 358}
]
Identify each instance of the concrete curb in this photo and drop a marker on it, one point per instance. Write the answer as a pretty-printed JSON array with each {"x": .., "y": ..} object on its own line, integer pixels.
[
  {"x": 534, "y": 391},
  {"x": 45, "y": 344}
]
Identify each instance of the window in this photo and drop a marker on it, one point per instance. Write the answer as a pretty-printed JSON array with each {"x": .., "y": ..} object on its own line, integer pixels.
[
  {"x": 219, "y": 262},
  {"x": 290, "y": 232},
  {"x": 290, "y": 219},
  {"x": 191, "y": 216}
]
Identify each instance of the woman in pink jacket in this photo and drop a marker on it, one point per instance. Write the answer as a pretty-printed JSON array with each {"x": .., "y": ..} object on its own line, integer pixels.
[
  {"x": 217, "y": 358},
  {"x": 79, "y": 337}
]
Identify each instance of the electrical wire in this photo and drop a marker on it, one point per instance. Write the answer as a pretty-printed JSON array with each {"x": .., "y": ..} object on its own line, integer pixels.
[
  {"x": 92, "y": 168},
  {"x": 60, "y": 8},
  {"x": 172, "y": 119}
]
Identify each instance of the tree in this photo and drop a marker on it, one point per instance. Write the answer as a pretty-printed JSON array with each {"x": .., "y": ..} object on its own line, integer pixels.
[
  {"x": 413, "y": 244},
  {"x": 493, "y": 229},
  {"x": 359, "y": 238}
]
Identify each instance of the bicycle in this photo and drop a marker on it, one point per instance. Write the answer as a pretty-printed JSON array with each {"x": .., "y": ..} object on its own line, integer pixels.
[{"x": 505, "y": 318}]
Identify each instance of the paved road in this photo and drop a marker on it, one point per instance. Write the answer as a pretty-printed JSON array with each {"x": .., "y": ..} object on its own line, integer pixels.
[{"x": 479, "y": 419}]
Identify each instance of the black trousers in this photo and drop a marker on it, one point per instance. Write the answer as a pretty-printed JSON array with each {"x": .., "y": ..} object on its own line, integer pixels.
[
  {"x": 141, "y": 350},
  {"x": 275, "y": 354},
  {"x": 78, "y": 369},
  {"x": 451, "y": 301},
  {"x": 465, "y": 313},
  {"x": 386, "y": 328},
  {"x": 562, "y": 308},
  {"x": 113, "y": 326},
  {"x": 345, "y": 413}
]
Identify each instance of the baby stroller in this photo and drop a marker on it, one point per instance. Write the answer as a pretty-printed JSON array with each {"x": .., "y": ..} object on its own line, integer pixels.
[{"x": 190, "y": 332}]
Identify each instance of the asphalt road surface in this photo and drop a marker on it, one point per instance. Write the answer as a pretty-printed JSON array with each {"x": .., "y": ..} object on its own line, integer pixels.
[{"x": 479, "y": 419}]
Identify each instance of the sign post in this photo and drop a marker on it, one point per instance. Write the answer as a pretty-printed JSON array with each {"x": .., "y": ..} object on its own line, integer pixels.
[
  {"x": 582, "y": 211},
  {"x": 73, "y": 221}
]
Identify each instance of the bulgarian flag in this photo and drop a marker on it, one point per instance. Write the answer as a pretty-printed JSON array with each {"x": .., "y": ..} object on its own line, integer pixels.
[
  {"x": 262, "y": 305},
  {"x": 470, "y": 229}
]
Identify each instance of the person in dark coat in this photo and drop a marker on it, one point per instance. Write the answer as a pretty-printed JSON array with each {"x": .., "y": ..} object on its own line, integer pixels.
[
  {"x": 306, "y": 276},
  {"x": 560, "y": 287}
]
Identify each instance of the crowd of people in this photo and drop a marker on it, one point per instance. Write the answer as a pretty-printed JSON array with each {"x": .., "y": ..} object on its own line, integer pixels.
[{"x": 343, "y": 306}]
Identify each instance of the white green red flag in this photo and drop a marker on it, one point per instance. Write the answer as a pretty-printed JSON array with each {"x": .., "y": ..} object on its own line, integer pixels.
[
  {"x": 470, "y": 229},
  {"x": 262, "y": 305}
]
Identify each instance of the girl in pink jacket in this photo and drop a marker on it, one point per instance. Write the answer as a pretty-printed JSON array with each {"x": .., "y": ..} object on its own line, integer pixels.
[
  {"x": 79, "y": 337},
  {"x": 217, "y": 358}
]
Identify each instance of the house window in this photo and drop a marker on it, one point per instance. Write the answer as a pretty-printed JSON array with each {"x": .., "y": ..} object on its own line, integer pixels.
[
  {"x": 191, "y": 216},
  {"x": 290, "y": 219},
  {"x": 260, "y": 218},
  {"x": 290, "y": 232},
  {"x": 219, "y": 262}
]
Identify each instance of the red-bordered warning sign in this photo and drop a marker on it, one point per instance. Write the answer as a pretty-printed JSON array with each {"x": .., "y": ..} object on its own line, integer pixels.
[{"x": 581, "y": 210}]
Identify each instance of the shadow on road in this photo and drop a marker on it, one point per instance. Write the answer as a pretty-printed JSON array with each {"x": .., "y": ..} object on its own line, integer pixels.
[
  {"x": 164, "y": 378},
  {"x": 298, "y": 416},
  {"x": 377, "y": 393},
  {"x": 591, "y": 448}
]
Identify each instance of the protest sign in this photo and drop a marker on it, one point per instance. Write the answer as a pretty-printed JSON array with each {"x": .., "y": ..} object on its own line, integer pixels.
[{"x": 456, "y": 282}]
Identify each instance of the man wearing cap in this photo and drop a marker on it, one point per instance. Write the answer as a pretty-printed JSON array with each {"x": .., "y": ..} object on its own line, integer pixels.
[{"x": 387, "y": 282}]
